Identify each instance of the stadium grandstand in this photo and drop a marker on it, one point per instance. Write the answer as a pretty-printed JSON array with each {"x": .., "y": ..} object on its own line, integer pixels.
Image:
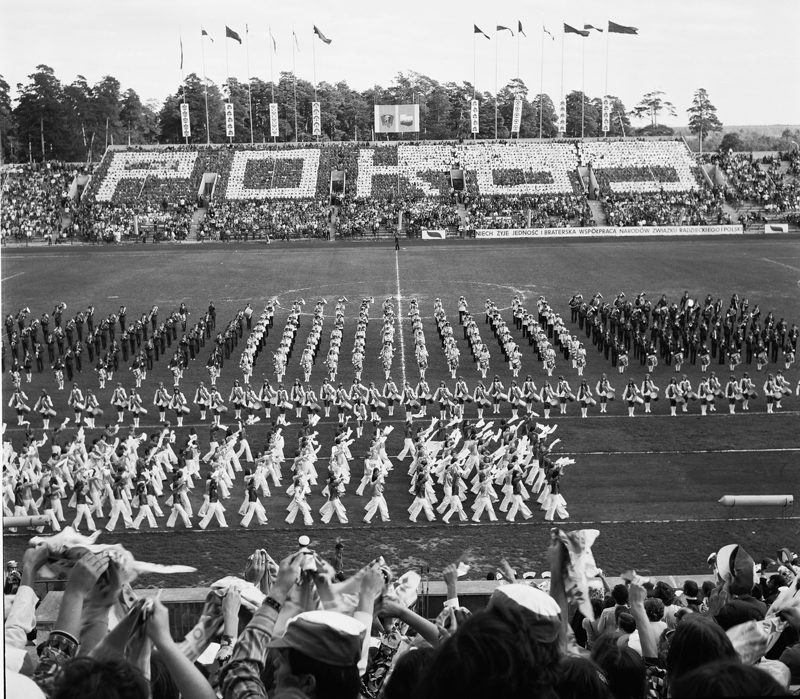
[{"x": 355, "y": 190}]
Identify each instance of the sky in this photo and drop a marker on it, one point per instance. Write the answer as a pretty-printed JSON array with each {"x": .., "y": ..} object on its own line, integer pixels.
[{"x": 743, "y": 52}]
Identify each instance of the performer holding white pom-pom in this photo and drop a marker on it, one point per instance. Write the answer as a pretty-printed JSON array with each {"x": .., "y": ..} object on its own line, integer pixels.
[
  {"x": 254, "y": 506},
  {"x": 556, "y": 505},
  {"x": 335, "y": 489},
  {"x": 214, "y": 507}
]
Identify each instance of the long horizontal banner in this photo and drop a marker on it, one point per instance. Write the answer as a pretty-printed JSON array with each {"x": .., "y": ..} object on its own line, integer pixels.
[{"x": 597, "y": 231}]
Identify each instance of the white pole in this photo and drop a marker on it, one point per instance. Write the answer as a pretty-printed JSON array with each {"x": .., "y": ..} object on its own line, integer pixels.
[
  {"x": 495, "y": 82},
  {"x": 205, "y": 85},
  {"x": 541, "y": 87},
  {"x": 294, "y": 77},
  {"x": 249, "y": 86}
]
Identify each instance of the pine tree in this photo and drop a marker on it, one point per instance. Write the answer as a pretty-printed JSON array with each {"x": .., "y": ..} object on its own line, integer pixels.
[{"x": 703, "y": 116}]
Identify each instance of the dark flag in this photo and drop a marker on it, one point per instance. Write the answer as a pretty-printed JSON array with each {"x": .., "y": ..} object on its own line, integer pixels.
[
  {"x": 321, "y": 35},
  {"x": 572, "y": 30},
  {"x": 614, "y": 28},
  {"x": 589, "y": 26},
  {"x": 500, "y": 28},
  {"x": 519, "y": 29},
  {"x": 181, "y": 53},
  {"x": 478, "y": 31},
  {"x": 203, "y": 32},
  {"x": 230, "y": 34}
]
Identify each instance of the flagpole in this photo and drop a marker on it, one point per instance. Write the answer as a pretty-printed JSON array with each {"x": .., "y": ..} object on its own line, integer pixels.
[
  {"x": 271, "y": 74},
  {"x": 474, "y": 78},
  {"x": 249, "y": 86},
  {"x": 495, "y": 82},
  {"x": 314, "y": 65},
  {"x": 608, "y": 42},
  {"x": 541, "y": 87},
  {"x": 294, "y": 76},
  {"x": 563, "y": 43},
  {"x": 183, "y": 79},
  {"x": 228, "y": 73},
  {"x": 583, "y": 83},
  {"x": 205, "y": 84}
]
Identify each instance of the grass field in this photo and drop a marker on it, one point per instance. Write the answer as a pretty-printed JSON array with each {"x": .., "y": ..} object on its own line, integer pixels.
[{"x": 650, "y": 484}]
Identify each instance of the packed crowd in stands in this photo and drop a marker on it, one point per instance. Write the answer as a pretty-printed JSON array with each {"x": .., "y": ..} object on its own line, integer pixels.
[
  {"x": 306, "y": 628},
  {"x": 530, "y": 210},
  {"x": 762, "y": 181},
  {"x": 699, "y": 207},
  {"x": 259, "y": 220},
  {"x": 506, "y": 185},
  {"x": 34, "y": 197}
]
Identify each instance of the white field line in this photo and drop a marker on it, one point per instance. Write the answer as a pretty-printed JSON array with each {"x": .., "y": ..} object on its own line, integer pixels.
[
  {"x": 796, "y": 269},
  {"x": 400, "y": 316}
]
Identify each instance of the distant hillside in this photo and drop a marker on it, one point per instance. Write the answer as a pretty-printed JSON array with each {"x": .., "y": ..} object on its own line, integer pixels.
[{"x": 766, "y": 130}]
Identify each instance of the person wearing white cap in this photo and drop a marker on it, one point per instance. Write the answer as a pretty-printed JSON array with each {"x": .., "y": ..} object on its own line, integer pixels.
[
  {"x": 318, "y": 654},
  {"x": 512, "y": 649}
]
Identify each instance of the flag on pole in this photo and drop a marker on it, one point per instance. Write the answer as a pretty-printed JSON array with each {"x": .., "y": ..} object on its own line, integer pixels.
[
  {"x": 500, "y": 27},
  {"x": 203, "y": 32},
  {"x": 589, "y": 26},
  {"x": 230, "y": 34},
  {"x": 274, "y": 45},
  {"x": 614, "y": 28},
  {"x": 479, "y": 31},
  {"x": 546, "y": 32},
  {"x": 181, "y": 38},
  {"x": 519, "y": 29},
  {"x": 295, "y": 41},
  {"x": 321, "y": 35},
  {"x": 572, "y": 30}
]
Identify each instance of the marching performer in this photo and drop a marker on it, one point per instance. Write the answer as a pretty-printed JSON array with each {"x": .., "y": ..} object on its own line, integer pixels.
[
  {"x": 649, "y": 392},
  {"x": 585, "y": 397},
  {"x": 605, "y": 392}
]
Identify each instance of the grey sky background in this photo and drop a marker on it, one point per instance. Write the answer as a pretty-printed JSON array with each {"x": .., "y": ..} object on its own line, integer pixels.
[{"x": 746, "y": 53}]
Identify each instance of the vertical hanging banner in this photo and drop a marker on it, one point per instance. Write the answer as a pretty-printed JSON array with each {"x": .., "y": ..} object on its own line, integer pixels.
[
  {"x": 316, "y": 119},
  {"x": 274, "y": 129},
  {"x": 516, "y": 119},
  {"x": 186, "y": 128},
  {"x": 474, "y": 112},
  {"x": 562, "y": 118},
  {"x": 229, "y": 125},
  {"x": 606, "y": 114}
]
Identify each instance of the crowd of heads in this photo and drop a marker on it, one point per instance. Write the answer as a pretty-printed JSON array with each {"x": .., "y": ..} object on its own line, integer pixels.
[{"x": 306, "y": 627}]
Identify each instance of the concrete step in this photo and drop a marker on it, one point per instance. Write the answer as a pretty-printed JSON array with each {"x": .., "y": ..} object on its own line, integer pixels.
[
  {"x": 600, "y": 218},
  {"x": 197, "y": 216}
]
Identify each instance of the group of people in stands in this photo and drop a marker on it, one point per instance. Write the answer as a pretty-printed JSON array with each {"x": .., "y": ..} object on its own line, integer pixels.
[
  {"x": 699, "y": 207},
  {"x": 308, "y": 628},
  {"x": 36, "y": 204},
  {"x": 282, "y": 219},
  {"x": 34, "y": 197}
]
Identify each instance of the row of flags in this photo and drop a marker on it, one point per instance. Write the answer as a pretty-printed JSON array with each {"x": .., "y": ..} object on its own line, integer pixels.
[
  {"x": 231, "y": 34},
  {"x": 613, "y": 28}
]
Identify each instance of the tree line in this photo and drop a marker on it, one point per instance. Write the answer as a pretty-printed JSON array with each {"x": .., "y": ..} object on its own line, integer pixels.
[{"x": 76, "y": 122}]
